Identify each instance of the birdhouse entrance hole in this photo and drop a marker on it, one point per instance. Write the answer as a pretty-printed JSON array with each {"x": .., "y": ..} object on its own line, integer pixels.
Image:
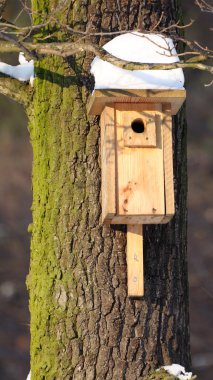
[{"x": 137, "y": 126}]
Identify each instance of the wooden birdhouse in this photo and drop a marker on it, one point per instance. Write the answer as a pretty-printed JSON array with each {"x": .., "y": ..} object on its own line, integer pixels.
[{"x": 136, "y": 164}]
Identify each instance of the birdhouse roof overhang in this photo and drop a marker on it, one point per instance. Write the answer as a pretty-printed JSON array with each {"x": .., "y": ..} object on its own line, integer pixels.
[{"x": 100, "y": 98}]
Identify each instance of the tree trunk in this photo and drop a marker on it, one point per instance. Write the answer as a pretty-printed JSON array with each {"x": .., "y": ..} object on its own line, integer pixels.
[{"x": 83, "y": 325}]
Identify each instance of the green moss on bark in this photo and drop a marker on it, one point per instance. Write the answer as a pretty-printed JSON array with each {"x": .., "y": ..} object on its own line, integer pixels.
[
  {"x": 83, "y": 326},
  {"x": 160, "y": 375},
  {"x": 58, "y": 116}
]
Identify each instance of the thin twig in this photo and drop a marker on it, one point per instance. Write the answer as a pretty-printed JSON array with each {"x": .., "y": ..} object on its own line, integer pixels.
[
  {"x": 176, "y": 26},
  {"x": 20, "y": 45},
  {"x": 209, "y": 84},
  {"x": 204, "y": 6},
  {"x": 158, "y": 23}
]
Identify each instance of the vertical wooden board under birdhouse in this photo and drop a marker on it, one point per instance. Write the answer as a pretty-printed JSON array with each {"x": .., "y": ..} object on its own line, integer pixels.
[
  {"x": 135, "y": 260},
  {"x": 108, "y": 149},
  {"x": 140, "y": 171}
]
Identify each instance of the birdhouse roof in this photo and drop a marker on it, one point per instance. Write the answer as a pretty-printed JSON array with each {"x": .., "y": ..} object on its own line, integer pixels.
[{"x": 141, "y": 48}]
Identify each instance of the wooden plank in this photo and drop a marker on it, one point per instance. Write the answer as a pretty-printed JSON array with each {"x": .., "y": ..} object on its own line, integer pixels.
[
  {"x": 140, "y": 107},
  {"x": 108, "y": 163},
  {"x": 135, "y": 260},
  {"x": 166, "y": 219},
  {"x": 136, "y": 219},
  {"x": 140, "y": 172},
  {"x": 100, "y": 98},
  {"x": 168, "y": 163}
]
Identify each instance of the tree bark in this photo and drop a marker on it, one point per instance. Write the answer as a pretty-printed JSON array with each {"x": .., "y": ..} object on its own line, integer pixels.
[
  {"x": 83, "y": 325},
  {"x": 18, "y": 91}
]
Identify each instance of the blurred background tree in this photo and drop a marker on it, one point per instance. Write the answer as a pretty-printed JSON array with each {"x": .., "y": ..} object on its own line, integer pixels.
[{"x": 15, "y": 215}]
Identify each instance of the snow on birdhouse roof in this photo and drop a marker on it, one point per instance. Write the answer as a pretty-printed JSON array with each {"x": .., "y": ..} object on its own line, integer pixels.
[{"x": 142, "y": 48}]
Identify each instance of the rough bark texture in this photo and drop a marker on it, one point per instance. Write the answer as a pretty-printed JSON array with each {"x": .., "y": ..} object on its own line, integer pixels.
[
  {"x": 18, "y": 91},
  {"x": 83, "y": 325}
]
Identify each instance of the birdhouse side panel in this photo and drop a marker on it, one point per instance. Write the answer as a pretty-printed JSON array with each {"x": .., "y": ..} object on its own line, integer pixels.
[
  {"x": 108, "y": 148},
  {"x": 168, "y": 163}
]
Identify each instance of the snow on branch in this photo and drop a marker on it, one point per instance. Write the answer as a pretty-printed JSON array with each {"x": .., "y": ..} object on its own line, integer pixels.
[
  {"x": 15, "y": 38},
  {"x": 153, "y": 49},
  {"x": 23, "y": 72},
  {"x": 67, "y": 49}
]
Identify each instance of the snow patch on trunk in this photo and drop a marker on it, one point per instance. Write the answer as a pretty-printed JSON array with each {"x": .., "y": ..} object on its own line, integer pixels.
[{"x": 178, "y": 371}]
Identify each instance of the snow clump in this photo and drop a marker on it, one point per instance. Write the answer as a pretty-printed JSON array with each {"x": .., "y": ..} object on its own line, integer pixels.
[
  {"x": 141, "y": 48},
  {"x": 178, "y": 371},
  {"x": 23, "y": 72}
]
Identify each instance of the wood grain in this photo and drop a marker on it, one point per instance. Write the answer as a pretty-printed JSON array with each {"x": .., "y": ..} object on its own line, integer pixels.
[
  {"x": 140, "y": 172},
  {"x": 108, "y": 163},
  {"x": 135, "y": 260},
  {"x": 136, "y": 219},
  {"x": 168, "y": 163}
]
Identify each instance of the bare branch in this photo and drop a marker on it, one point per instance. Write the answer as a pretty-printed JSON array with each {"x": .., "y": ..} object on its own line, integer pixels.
[
  {"x": 12, "y": 88},
  {"x": 176, "y": 26},
  {"x": 17, "y": 39},
  {"x": 106, "y": 34},
  {"x": 157, "y": 24},
  {"x": 26, "y": 32},
  {"x": 209, "y": 84},
  {"x": 68, "y": 49},
  {"x": 8, "y": 47},
  {"x": 195, "y": 47},
  {"x": 23, "y": 30},
  {"x": 30, "y": 30},
  {"x": 19, "y": 44},
  {"x": 204, "y": 6}
]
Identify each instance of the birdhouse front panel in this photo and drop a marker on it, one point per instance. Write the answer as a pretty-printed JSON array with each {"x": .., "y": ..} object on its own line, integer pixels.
[
  {"x": 135, "y": 185},
  {"x": 139, "y": 171}
]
